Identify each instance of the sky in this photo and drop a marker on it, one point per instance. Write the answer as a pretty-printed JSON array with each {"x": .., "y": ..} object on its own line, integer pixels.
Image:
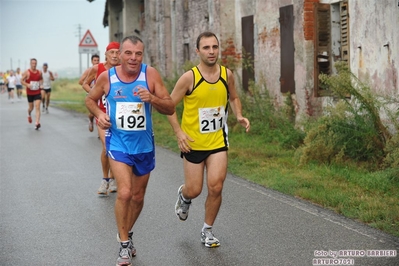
[{"x": 48, "y": 30}]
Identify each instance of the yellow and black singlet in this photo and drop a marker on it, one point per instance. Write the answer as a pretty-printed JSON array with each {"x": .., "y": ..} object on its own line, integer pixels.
[{"x": 205, "y": 112}]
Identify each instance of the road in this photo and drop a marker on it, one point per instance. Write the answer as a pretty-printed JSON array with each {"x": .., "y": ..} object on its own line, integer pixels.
[{"x": 50, "y": 213}]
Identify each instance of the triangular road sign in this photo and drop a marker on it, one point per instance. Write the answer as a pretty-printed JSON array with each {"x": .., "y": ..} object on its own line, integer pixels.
[{"x": 88, "y": 40}]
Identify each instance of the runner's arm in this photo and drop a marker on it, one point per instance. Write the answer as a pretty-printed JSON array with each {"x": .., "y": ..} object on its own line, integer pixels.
[
  {"x": 89, "y": 78},
  {"x": 183, "y": 85},
  {"x": 158, "y": 95},
  {"x": 51, "y": 76},
  {"x": 24, "y": 77},
  {"x": 83, "y": 77},
  {"x": 100, "y": 88},
  {"x": 235, "y": 102}
]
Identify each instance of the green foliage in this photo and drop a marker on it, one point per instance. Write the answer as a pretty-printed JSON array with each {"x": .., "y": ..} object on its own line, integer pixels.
[
  {"x": 171, "y": 81},
  {"x": 340, "y": 136},
  {"x": 351, "y": 129},
  {"x": 189, "y": 65},
  {"x": 391, "y": 159},
  {"x": 274, "y": 124},
  {"x": 68, "y": 94},
  {"x": 62, "y": 83},
  {"x": 247, "y": 61}
]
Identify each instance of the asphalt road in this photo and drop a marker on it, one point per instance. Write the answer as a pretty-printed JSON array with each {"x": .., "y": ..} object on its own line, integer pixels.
[{"x": 50, "y": 213}]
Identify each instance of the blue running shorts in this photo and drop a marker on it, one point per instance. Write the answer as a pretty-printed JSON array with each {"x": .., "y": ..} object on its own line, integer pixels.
[{"x": 142, "y": 163}]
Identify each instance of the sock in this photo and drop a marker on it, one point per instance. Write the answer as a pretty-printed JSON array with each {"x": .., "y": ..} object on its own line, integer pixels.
[
  {"x": 130, "y": 235},
  {"x": 106, "y": 179},
  {"x": 207, "y": 227},
  {"x": 184, "y": 199}
]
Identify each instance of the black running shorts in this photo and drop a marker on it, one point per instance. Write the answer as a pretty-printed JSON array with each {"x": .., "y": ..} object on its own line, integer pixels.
[
  {"x": 200, "y": 156},
  {"x": 32, "y": 98}
]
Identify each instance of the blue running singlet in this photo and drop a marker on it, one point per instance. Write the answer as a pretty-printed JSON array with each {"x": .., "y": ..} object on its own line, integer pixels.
[{"x": 131, "y": 120}]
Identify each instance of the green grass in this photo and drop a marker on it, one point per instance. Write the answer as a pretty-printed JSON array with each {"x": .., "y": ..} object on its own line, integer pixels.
[
  {"x": 68, "y": 94},
  {"x": 351, "y": 190}
]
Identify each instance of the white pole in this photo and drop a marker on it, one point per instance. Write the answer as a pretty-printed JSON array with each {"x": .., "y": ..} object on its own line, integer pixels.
[{"x": 80, "y": 54}]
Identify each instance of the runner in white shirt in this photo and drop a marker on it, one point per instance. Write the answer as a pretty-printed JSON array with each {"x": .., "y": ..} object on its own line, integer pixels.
[
  {"x": 18, "y": 84},
  {"x": 11, "y": 80},
  {"x": 2, "y": 82},
  {"x": 46, "y": 91}
]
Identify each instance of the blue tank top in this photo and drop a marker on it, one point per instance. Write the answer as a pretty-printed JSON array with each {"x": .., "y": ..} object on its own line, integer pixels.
[{"x": 131, "y": 120}]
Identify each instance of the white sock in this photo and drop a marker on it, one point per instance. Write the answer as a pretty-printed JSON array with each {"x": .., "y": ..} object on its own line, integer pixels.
[{"x": 207, "y": 227}]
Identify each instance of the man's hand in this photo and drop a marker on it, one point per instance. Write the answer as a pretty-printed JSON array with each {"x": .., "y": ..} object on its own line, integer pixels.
[
  {"x": 245, "y": 123},
  {"x": 144, "y": 95},
  {"x": 183, "y": 140},
  {"x": 103, "y": 121}
]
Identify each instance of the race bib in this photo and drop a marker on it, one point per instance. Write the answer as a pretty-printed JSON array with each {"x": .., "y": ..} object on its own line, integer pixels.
[
  {"x": 211, "y": 119},
  {"x": 130, "y": 116},
  {"x": 34, "y": 85},
  {"x": 104, "y": 101}
]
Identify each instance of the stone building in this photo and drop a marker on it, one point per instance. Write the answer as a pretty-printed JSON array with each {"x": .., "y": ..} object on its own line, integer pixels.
[{"x": 287, "y": 43}]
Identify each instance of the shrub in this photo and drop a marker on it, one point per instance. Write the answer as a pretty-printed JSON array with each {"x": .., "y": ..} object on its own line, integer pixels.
[
  {"x": 351, "y": 128},
  {"x": 391, "y": 159},
  {"x": 274, "y": 123}
]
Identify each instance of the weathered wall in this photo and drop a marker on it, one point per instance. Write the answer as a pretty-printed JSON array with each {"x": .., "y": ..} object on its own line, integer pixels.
[
  {"x": 229, "y": 35},
  {"x": 131, "y": 16},
  {"x": 267, "y": 45},
  {"x": 114, "y": 18},
  {"x": 170, "y": 28},
  {"x": 195, "y": 17},
  {"x": 375, "y": 38}
]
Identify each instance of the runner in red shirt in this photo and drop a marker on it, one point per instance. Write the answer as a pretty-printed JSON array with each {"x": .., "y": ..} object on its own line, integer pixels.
[
  {"x": 32, "y": 79},
  {"x": 95, "y": 59},
  {"x": 108, "y": 183}
]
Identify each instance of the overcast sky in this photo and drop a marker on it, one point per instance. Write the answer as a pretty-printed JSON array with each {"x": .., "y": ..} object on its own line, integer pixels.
[{"x": 48, "y": 30}]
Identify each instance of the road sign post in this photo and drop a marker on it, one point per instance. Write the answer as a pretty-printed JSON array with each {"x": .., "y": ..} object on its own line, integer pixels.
[{"x": 87, "y": 45}]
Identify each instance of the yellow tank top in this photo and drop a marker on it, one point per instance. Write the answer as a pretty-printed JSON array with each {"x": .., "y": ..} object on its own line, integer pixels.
[{"x": 205, "y": 112}]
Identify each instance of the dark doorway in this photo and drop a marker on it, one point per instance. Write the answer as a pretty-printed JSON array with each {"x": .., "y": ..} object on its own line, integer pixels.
[
  {"x": 287, "y": 78},
  {"x": 248, "y": 73}
]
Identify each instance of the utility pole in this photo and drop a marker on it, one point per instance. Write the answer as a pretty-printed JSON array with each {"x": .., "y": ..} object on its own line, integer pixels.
[
  {"x": 11, "y": 63},
  {"x": 80, "y": 55}
]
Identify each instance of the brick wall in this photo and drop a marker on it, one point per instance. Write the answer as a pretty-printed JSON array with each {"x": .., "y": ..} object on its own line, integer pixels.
[
  {"x": 308, "y": 17},
  {"x": 229, "y": 55}
]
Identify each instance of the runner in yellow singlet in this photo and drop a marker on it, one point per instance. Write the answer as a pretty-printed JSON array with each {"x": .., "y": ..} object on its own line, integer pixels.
[{"x": 206, "y": 91}]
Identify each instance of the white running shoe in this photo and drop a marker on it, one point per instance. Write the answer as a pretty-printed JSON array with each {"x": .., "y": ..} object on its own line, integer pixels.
[
  {"x": 131, "y": 246},
  {"x": 112, "y": 185},
  {"x": 209, "y": 239},
  {"x": 125, "y": 256},
  {"x": 103, "y": 189},
  {"x": 181, "y": 207}
]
